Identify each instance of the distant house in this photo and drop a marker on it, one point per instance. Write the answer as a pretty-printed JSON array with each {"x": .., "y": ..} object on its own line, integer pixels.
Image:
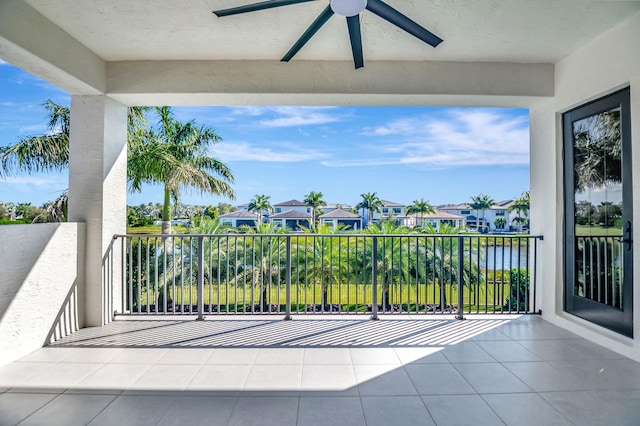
[
  {"x": 245, "y": 207},
  {"x": 291, "y": 219},
  {"x": 294, "y": 205},
  {"x": 437, "y": 219},
  {"x": 239, "y": 218},
  {"x": 474, "y": 218},
  {"x": 328, "y": 208},
  {"x": 341, "y": 217},
  {"x": 392, "y": 210}
]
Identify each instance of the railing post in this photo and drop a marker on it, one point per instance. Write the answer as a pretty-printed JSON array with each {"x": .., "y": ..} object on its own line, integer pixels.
[
  {"x": 123, "y": 259},
  {"x": 200, "y": 279},
  {"x": 287, "y": 316},
  {"x": 460, "y": 315},
  {"x": 374, "y": 279}
]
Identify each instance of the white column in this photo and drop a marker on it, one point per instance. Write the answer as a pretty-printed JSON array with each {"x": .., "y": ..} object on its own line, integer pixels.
[
  {"x": 98, "y": 195},
  {"x": 546, "y": 211}
]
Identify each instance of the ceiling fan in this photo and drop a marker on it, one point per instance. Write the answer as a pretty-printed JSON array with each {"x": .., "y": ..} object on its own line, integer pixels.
[{"x": 350, "y": 9}]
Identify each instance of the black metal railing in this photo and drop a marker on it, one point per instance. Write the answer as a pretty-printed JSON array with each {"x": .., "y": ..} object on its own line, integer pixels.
[{"x": 315, "y": 274}]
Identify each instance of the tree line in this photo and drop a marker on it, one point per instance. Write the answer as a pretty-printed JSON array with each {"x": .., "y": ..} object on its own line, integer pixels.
[{"x": 169, "y": 152}]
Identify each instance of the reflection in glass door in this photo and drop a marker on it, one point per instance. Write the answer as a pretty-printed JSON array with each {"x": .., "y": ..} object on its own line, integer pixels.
[{"x": 598, "y": 223}]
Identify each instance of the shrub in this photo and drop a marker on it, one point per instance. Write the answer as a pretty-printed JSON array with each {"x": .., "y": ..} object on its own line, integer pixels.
[{"x": 519, "y": 295}]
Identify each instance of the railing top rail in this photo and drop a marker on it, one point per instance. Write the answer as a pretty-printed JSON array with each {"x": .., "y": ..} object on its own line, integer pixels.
[{"x": 342, "y": 235}]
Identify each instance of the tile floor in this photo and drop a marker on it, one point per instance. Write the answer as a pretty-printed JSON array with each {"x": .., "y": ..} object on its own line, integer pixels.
[{"x": 322, "y": 371}]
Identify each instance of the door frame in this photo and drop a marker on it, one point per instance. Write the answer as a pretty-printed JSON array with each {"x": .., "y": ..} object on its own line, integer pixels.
[{"x": 618, "y": 320}]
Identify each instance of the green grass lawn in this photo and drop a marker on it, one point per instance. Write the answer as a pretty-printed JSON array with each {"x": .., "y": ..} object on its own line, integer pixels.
[
  {"x": 350, "y": 297},
  {"x": 151, "y": 229},
  {"x": 597, "y": 231}
]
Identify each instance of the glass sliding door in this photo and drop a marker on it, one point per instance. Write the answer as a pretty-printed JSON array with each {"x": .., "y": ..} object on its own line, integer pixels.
[{"x": 598, "y": 217}]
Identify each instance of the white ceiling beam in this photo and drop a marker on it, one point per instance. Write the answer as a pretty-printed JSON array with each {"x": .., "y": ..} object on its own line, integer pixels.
[
  {"x": 323, "y": 82},
  {"x": 30, "y": 41}
]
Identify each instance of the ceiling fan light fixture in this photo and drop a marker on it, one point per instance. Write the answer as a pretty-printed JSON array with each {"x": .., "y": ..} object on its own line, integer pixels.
[{"x": 348, "y": 8}]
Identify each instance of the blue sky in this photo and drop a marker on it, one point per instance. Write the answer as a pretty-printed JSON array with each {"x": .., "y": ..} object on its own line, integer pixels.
[{"x": 444, "y": 155}]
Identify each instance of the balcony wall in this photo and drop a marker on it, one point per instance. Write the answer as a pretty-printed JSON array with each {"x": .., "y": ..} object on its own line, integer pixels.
[
  {"x": 40, "y": 285},
  {"x": 608, "y": 63}
]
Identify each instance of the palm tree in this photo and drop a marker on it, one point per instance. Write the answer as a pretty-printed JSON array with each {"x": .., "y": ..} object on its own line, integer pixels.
[
  {"x": 499, "y": 222},
  {"x": 323, "y": 261},
  {"x": 263, "y": 263},
  {"x": 47, "y": 152},
  {"x": 481, "y": 202},
  {"x": 179, "y": 161},
  {"x": 259, "y": 204},
  {"x": 176, "y": 155},
  {"x": 443, "y": 262},
  {"x": 371, "y": 203},
  {"x": 315, "y": 201},
  {"x": 421, "y": 207},
  {"x": 394, "y": 267},
  {"x": 521, "y": 207}
]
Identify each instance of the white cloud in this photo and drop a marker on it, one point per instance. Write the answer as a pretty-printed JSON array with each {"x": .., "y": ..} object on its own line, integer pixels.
[
  {"x": 28, "y": 180},
  {"x": 287, "y": 116},
  {"x": 463, "y": 137},
  {"x": 300, "y": 116},
  {"x": 251, "y": 111},
  {"x": 277, "y": 153}
]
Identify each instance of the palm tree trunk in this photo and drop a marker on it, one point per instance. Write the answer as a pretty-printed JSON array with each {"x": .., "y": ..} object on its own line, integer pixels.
[{"x": 166, "y": 212}]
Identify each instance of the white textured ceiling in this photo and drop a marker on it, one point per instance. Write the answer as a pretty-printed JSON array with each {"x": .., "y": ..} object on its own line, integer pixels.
[{"x": 473, "y": 30}]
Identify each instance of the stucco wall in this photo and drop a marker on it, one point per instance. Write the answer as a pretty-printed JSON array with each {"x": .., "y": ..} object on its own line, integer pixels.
[
  {"x": 39, "y": 286},
  {"x": 608, "y": 63}
]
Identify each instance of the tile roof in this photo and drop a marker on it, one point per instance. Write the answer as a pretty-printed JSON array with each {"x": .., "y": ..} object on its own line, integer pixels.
[
  {"x": 290, "y": 214},
  {"x": 240, "y": 214},
  {"x": 339, "y": 214},
  {"x": 391, "y": 204},
  {"x": 437, "y": 215},
  {"x": 294, "y": 203},
  {"x": 462, "y": 206}
]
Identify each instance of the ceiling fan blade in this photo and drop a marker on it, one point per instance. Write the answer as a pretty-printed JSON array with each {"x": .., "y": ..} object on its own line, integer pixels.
[
  {"x": 355, "y": 35},
  {"x": 304, "y": 38},
  {"x": 388, "y": 13},
  {"x": 256, "y": 6}
]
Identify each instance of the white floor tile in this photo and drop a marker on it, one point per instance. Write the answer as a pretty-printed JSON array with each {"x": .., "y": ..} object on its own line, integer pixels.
[
  {"x": 68, "y": 410},
  {"x": 525, "y": 409},
  {"x": 233, "y": 356},
  {"x": 326, "y": 378},
  {"x": 461, "y": 410},
  {"x": 321, "y": 411},
  {"x": 327, "y": 356},
  {"x": 15, "y": 407},
  {"x": 395, "y": 410},
  {"x": 113, "y": 376},
  {"x": 166, "y": 377},
  {"x": 210, "y": 411},
  {"x": 274, "y": 378},
  {"x": 61, "y": 375},
  {"x": 185, "y": 356},
  {"x": 438, "y": 379},
  {"x": 508, "y": 351},
  {"x": 219, "y": 378},
  {"x": 282, "y": 356},
  {"x": 466, "y": 352},
  {"x": 379, "y": 380},
  {"x": 596, "y": 408},
  {"x": 372, "y": 356},
  {"x": 139, "y": 410},
  {"x": 265, "y": 410},
  {"x": 491, "y": 378},
  {"x": 145, "y": 356},
  {"x": 428, "y": 355}
]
